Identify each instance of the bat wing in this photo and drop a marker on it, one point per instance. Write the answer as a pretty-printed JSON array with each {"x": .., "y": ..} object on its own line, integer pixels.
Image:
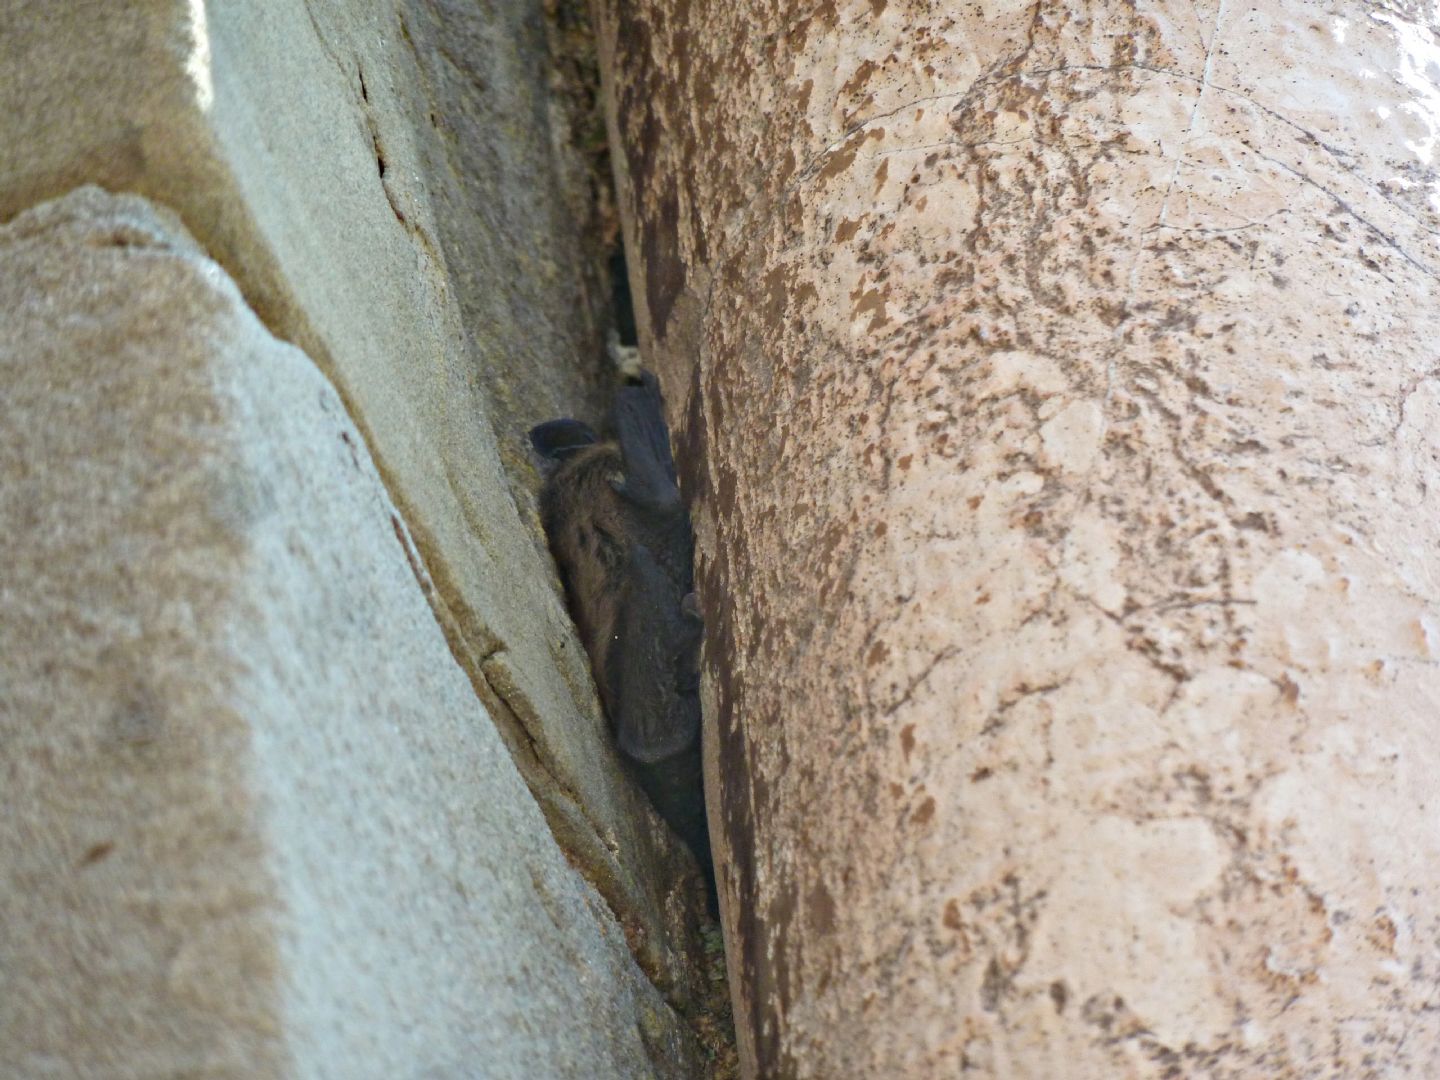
[
  {"x": 639, "y": 418},
  {"x": 657, "y": 711}
]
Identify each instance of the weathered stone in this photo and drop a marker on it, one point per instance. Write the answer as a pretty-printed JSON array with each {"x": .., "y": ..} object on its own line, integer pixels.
[
  {"x": 380, "y": 181},
  {"x": 257, "y": 823},
  {"x": 1061, "y": 425}
]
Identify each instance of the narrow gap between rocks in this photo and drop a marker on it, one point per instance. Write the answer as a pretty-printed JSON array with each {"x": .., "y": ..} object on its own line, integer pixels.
[{"x": 576, "y": 82}]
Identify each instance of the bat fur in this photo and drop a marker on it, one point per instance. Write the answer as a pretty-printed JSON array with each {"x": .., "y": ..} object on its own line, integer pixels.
[{"x": 622, "y": 540}]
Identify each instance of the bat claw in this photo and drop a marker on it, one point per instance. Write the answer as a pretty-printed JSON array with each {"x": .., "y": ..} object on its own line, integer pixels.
[{"x": 626, "y": 358}]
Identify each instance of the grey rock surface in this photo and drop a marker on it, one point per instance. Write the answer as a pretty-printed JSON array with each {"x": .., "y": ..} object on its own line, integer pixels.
[
  {"x": 384, "y": 184},
  {"x": 257, "y": 822}
]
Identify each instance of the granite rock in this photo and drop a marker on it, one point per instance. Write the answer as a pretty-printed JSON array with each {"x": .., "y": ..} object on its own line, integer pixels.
[
  {"x": 258, "y": 822},
  {"x": 1057, "y": 395}
]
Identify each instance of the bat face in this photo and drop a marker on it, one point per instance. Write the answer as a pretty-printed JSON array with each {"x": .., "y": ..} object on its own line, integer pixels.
[
  {"x": 622, "y": 540},
  {"x": 588, "y": 531}
]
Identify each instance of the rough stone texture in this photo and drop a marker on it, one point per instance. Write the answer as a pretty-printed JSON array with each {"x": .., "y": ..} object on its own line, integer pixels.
[
  {"x": 1063, "y": 398},
  {"x": 518, "y": 210},
  {"x": 257, "y": 822},
  {"x": 386, "y": 185}
]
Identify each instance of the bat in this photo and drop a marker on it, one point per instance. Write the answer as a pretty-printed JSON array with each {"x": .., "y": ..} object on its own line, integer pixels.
[{"x": 621, "y": 538}]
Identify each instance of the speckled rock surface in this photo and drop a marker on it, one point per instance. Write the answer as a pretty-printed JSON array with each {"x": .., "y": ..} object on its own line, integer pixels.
[
  {"x": 388, "y": 186},
  {"x": 257, "y": 823},
  {"x": 1059, "y": 393}
]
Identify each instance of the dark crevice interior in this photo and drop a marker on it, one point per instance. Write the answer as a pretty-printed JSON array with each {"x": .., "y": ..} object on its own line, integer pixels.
[
  {"x": 572, "y": 46},
  {"x": 710, "y": 1015}
]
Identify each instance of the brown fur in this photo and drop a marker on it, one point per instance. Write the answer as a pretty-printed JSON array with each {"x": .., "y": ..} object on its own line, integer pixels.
[{"x": 585, "y": 519}]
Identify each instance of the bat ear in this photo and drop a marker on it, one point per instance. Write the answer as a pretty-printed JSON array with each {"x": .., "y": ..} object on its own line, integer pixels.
[{"x": 558, "y": 439}]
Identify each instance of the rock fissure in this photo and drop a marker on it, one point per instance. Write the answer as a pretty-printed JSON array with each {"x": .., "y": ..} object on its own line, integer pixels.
[{"x": 477, "y": 813}]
